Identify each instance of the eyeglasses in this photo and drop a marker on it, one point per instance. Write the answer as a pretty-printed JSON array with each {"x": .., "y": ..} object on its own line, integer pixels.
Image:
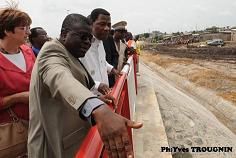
[
  {"x": 83, "y": 35},
  {"x": 24, "y": 28}
]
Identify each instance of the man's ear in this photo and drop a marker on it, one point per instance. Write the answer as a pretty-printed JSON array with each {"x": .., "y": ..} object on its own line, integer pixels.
[{"x": 63, "y": 34}]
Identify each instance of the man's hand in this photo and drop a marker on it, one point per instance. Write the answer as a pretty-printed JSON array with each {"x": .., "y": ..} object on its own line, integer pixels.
[
  {"x": 113, "y": 131},
  {"x": 104, "y": 88},
  {"x": 107, "y": 98},
  {"x": 115, "y": 72},
  {"x": 131, "y": 50}
]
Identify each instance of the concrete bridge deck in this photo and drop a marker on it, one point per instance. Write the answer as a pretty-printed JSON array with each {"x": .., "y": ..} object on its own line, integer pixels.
[{"x": 152, "y": 136}]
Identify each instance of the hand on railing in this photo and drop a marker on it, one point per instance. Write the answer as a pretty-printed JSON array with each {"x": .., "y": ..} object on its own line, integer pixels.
[
  {"x": 116, "y": 72},
  {"x": 104, "y": 88},
  {"x": 108, "y": 99},
  {"x": 112, "y": 128},
  {"x": 131, "y": 50}
]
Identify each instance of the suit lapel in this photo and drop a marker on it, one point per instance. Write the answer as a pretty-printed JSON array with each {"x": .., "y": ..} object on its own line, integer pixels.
[{"x": 90, "y": 81}]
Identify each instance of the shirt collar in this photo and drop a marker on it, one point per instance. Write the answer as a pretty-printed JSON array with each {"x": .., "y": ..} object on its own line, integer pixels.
[
  {"x": 35, "y": 50},
  {"x": 96, "y": 41}
]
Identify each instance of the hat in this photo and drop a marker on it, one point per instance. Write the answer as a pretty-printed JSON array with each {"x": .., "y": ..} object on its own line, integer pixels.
[{"x": 119, "y": 25}]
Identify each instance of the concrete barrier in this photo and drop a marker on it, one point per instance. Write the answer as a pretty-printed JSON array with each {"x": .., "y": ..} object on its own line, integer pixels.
[{"x": 152, "y": 136}]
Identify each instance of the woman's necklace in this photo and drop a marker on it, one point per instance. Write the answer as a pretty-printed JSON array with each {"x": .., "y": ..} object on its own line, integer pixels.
[{"x": 6, "y": 52}]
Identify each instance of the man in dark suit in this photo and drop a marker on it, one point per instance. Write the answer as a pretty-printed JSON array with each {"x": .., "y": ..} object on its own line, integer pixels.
[{"x": 112, "y": 55}]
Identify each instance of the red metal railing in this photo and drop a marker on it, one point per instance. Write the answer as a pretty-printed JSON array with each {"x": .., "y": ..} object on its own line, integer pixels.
[
  {"x": 135, "y": 56},
  {"x": 92, "y": 146}
]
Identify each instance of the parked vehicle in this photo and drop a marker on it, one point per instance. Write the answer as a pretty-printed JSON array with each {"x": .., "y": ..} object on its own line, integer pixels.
[{"x": 215, "y": 42}]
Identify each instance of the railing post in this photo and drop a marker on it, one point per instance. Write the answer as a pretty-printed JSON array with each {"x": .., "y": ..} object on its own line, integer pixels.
[{"x": 135, "y": 69}]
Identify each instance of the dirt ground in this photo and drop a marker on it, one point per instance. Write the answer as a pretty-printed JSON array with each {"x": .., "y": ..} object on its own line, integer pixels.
[
  {"x": 212, "y": 70},
  {"x": 217, "y": 73}
]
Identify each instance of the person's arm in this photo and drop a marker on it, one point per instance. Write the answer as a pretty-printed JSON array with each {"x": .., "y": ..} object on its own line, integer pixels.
[
  {"x": 108, "y": 99},
  {"x": 21, "y": 97},
  {"x": 115, "y": 72},
  {"x": 57, "y": 76},
  {"x": 88, "y": 107},
  {"x": 102, "y": 87},
  {"x": 109, "y": 67},
  {"x": 112, "y": 128},
  {"x": 8, "y": 101},
  {"x": 97, "y": 83},
  {"x": 112, "y": 70},
  {"x": 63, "y": 86}
]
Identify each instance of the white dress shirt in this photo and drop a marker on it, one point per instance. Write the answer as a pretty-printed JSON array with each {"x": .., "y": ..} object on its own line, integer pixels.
[{"x": 96, "y": 64}]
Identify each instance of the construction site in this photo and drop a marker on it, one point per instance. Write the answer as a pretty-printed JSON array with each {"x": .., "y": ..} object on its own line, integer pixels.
[{"x": 203, "y": 114}]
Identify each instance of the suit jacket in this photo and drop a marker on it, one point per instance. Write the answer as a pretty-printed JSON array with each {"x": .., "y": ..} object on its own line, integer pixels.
[
  {"x": 59, "y": 86},
  {"x": 112, "y": 57},
  {"x": 122, "y": 54},
  {"x": 111, "y": 52}
]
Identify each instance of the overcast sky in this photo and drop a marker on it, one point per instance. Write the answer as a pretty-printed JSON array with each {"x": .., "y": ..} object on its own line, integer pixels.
[{"x": 141, "y": 15}]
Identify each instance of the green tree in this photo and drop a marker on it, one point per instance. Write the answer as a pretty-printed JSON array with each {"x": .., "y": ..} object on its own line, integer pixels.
[
  {"x": 158, "y": 38},
  {"x": 146, "y": 35}
]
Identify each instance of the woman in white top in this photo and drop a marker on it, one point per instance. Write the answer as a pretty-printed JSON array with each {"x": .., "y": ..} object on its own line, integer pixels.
[{"x": 16, "y": 63}]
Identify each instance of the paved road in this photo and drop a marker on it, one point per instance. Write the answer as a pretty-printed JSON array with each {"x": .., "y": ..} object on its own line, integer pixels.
[{"x": 186, "y": 121}]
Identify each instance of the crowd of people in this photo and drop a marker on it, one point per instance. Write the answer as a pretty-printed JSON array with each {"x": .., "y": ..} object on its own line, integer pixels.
[
  {"x": 181, "y": 40},
  {"x": 53, "y": 90}
]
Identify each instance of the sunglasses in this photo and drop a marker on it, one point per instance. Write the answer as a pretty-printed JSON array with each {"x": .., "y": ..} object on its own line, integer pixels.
[{"x": 83, "y": 35}]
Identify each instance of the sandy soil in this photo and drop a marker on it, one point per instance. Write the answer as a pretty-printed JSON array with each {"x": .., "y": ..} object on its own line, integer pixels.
[
  {"x": 218, "y": 76},
  {"x": 213, "y": 82}
]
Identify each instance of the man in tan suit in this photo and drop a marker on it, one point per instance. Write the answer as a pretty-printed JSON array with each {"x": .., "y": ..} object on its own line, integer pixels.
[{"x": 62, "y": 108}]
